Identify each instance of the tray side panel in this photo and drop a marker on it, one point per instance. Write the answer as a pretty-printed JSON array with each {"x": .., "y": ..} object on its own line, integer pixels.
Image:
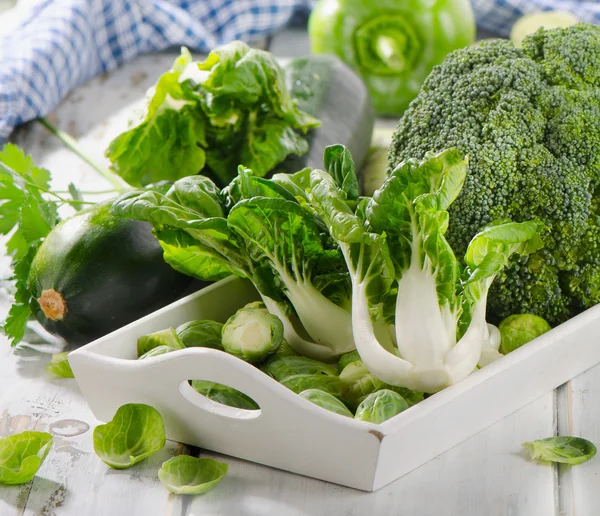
[{"x": 452, "y": 416}]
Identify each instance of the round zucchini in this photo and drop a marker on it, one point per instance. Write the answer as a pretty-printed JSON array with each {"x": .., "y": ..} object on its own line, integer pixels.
[{"x": 95, "y": 273}]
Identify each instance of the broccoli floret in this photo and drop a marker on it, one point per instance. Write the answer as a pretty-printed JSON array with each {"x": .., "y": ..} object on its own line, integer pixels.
[{"x": 529, "y": 120}]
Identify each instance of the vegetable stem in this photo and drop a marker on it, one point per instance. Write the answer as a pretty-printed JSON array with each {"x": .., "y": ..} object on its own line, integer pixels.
[
  {"x": 389, "y": 50},
  {"x": 74, "y": 146}
]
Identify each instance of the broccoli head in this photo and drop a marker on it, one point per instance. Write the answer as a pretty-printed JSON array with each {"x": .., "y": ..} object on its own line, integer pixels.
[{"x": 529, "y": 120}]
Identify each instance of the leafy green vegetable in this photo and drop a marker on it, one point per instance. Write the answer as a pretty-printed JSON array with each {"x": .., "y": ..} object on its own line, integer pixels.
[
  {"x": 21, "y": 455},
  {"x": 520, "y": 329},
  {"x": 167, "y": 338},
  {"x": 380, "y": 406},
  {"x": 201, "y": 333},
  {"x": 252, "y": 334},
  {"x": 392, "y": 45},
  {"x": 232, "y": 108},
  {"x": 516, "y": 112},
  {"x": 224, "y": 395},
  {"x": 192, "y": 476},
  {"x": 135, "y": 432},
  {"x": 564, "y": 449},
  {"x": 406, "y": 279},
  {"x": 157, "y": 351},
  {"x": 303, "y": 382},
  {"x": 346, "y": 359},
  {"x": 327, "y": 401},
  {"x": 59, "y": 365},
  {"x": 272, "y": 239}
]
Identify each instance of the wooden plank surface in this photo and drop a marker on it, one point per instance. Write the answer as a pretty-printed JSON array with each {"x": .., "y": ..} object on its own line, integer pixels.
[{"x": 487, "y": 475}]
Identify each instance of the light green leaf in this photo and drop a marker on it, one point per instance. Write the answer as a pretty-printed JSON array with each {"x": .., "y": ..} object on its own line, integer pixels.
[
  {"x": 135, "y": 432},
  {"x": 201, "y": 333},
  {"x": 192, "y": 476},
  {"x": 60, "y": 366},
  {"x": 327, "y": 401},
  {"x": 380, "y": 406},
  {"x": 167, "y": 337},
  {"x": 564, "y": 449},
  {"x": 21, "y": 455},
  {"x": 225, "y": 395},
  {"x": 281, "y": 368}
]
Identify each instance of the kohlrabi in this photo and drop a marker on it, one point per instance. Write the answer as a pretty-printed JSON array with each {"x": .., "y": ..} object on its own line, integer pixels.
[{"x": 418, "y": 313}]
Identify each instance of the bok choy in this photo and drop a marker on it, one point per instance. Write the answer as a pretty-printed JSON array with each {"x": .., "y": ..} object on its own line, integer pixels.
[{"x": 418, "y": 313}]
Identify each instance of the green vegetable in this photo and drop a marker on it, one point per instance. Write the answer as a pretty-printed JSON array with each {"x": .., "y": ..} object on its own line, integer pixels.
[
  {"x": 531, "y": 22},
  {"x": 95, "y": 273},
  {"x": 281, "y": 368},
  {"x": 358, "y": 383},
  {"x": 328, "y": 89},
  {"x": 380, "y": 406},
  {"x": 192, "y": 476},
  {"x": 59, "y": 365},
  {"x": 157, "y": 351},
  {"x": 232, "y": 108},
  {"x": 327, "y": 401},
  {"x": 224, "y": 395},
  {"x": 205, "y": 334},
  {"x": 392, "y": 44},
  {"x": 527, "y": 119},
  {"x": 405, "y": 276},
  {"x": 346, "y": 359},
  {"x": 135, "y": 432},
  {"x": 303, "y": 382},
  {"x": 564, "y": 449},
  {"x": 21, "y": 455},
  {"x": 257, "y": 229},
  {"x": 517, "y": 330},
  {"x": 252, "y": 334},
  {"x": 164, "y": 338}
]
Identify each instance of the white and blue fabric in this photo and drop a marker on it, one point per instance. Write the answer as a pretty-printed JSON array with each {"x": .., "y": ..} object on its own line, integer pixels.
[{"x": 63, "y": 43}]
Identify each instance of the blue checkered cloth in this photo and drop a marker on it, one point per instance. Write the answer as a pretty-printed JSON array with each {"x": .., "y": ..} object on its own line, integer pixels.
[{"x": 63, "y": 43}]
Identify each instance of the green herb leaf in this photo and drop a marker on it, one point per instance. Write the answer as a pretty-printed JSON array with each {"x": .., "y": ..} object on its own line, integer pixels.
[
  {"x": 21, "y": 456},
  {"x": 564, "y": 449},
  {"x": 59, "y": 365},
  {"x": 76, "y": 195},
  {"x": 135, "y": 432},
  {"x": 190, "y": 475}
]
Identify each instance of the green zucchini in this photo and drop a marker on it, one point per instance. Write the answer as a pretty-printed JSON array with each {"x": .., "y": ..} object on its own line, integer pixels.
[
  {"x": 328, "y": 89},
  {"x": 95, "y": 273}
]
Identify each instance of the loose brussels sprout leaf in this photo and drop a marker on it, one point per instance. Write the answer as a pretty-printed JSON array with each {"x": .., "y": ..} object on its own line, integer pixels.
[
  {"x": 564, "y": 449},
  {"x": 206, "y": 334},
  {"x": 59, "y": 365},
  {"x": 21, "y": 455},
  {"x": 357, "y": 383},
  {"x": 327, "y": 401},
  {"x": 346, "y": 359},
  {"x": 135, "y": 432},
  {"x": 157, "y": 351},
  {"x": 520, "y": 329},
  {"x": 190, "y": 475},
  {"x": 302, "y": 382},
  {"x": 166, "y": 337},
  {"x": 281, "y": 368},
  {"x": 224, "y": 395},
  {"x": 252, "y": 334},
  {"x": 380, "y": 406}
]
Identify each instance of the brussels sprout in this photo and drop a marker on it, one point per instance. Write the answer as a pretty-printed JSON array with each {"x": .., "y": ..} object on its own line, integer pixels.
[
  {"x": 565, "y": 449},
  {"x": 60, "y": 366},
  {"x": 285, "y": 350},
  {"x": 224, "y": 395},
  {"x": 380, "y": 406},
  {"x": 325, "y": 400},
  {"x": 205, "y": 334},
  {"x": 347, "y": 358},
  {"x": 166, "y": 337},
  {"x": 281, "y": 368},
  {"x": 252, "y": 334},
  {"x": 302, "y": 382},
  {"x": 357, "y": 383},
  {"x": 517, "y": 330},
  {"x": 157, "y": 351},
  {"x": 191, "y": 476}
]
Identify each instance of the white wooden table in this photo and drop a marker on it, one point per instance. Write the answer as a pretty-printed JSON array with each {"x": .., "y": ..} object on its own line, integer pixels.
[{"x": 488, "y": 475}]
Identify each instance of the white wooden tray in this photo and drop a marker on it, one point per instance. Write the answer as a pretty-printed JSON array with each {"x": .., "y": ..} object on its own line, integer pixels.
[{"x": 291, "y": 433}]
